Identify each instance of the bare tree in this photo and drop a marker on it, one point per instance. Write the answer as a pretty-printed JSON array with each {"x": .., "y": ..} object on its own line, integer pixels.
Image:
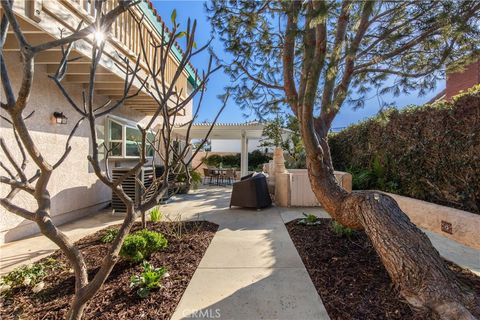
[
  {"x": 311, "y": 55},
  {"x": 169, "y": 101}
]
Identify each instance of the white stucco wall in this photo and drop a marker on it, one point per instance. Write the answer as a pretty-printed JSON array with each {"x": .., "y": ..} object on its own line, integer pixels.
[
  {"x": 223, "y": 145},
  {"x": 74, "y": 188}
]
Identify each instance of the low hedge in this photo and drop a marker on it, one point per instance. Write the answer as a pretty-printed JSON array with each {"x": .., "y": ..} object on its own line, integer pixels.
[{"x": 429, "y": 152}]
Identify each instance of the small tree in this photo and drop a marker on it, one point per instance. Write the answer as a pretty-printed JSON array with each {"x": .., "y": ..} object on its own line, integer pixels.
[
  {"x": 174, "y": 157},
  {"x": 275, "y": 135},
  {"x": 312, "y": 55}
]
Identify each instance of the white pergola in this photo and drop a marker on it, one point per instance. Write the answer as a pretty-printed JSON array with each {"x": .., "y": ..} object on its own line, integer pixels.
[{"x": 227, "y": 131}]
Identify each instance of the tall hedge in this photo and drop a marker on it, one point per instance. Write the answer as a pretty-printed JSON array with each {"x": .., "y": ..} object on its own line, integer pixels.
[{"x": 429, "y": 152}]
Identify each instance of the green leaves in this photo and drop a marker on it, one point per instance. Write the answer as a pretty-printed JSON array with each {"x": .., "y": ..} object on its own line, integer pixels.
[
  {"x": 29, "y": 275},
  {"x": 109, "y": 236},
  {"x": 309, "y": 219},
  {"x": 173, "y": 16},
  {"x": 142, "y": 244},
  {"x": 425, "y": 152},
  {"x": 150, "y": 279}
]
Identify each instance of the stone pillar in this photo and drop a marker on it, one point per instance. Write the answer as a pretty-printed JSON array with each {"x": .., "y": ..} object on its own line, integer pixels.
[
  {"x": 279, "y": 161},
  {"x": 244, "y": 155},
  {"x": 277, "y": 169}
]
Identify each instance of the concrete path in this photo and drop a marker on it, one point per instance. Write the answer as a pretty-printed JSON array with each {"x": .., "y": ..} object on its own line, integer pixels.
[
  {"x": 251, "y": 270},
  {"x": 29, "y": 250}
]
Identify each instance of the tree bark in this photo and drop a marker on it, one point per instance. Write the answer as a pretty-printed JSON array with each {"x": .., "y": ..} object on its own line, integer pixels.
[{"x": 409, "y": 257}]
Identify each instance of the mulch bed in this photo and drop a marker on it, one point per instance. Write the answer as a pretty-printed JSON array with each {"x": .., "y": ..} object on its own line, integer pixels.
[
  {"x": 116, "y": 300},
  {"x": 349, "y": 276}
]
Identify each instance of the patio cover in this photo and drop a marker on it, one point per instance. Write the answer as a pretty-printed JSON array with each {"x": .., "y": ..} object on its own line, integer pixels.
[{"x": 233, "y": 131}]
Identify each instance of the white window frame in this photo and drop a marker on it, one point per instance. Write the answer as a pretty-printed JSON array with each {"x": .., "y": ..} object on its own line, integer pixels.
[{"x": 124, "y": 123}]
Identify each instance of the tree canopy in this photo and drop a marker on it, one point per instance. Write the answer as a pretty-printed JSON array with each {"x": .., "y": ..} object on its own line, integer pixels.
[{"x": 368, "y": 48}]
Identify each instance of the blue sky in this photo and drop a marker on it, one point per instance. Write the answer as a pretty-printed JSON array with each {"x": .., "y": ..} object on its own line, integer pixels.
[{"x": 232, "y": 113}]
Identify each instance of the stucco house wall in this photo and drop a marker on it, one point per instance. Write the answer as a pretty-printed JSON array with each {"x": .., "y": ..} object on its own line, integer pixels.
[{"x": 74, "y": 188}]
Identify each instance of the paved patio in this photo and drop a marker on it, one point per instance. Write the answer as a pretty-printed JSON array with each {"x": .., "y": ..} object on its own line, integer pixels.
[{"x": 250, "y": 270}]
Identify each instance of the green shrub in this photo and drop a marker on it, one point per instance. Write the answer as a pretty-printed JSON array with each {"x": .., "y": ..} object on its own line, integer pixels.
[
  {"x": 155, "y": 214},
  {"x": 196, "y": 179},
  {"x": 150, "y": 278},
  {"x": 109, "y": 236},
  {"x": 155, "y": 241},
  {"x": 134, "y": 248},
  {"x": 309, "y": 220},
  {"x": 427, "y": 152},
  {"x": 231, "y": 160},
  {"x": 141, "y": 244},
  {"x": 256, "y": 159},
  {"x": 214, "y": 160},
  {"x": 340, "y": 230}
]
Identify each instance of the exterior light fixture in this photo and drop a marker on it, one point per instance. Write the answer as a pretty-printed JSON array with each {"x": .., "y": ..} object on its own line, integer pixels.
[{"x": 60, "y": 118}]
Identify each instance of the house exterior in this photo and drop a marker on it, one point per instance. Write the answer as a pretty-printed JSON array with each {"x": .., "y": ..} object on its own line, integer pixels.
[
  {"x": 459, "y": 81},
  {"x": 74, "y": 188},
  {"x": 463, "y": 80}
]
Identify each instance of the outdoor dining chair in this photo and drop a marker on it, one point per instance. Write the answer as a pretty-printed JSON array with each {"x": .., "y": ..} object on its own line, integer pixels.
[{"x": 230, "y": 175}]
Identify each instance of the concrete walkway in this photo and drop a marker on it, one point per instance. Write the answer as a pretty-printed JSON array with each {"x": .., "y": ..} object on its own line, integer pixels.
[{"x": 251, "y": 270}]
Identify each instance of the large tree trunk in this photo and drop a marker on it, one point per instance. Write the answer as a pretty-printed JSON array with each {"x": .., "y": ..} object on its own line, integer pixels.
[{"x": 409, "y": 257}]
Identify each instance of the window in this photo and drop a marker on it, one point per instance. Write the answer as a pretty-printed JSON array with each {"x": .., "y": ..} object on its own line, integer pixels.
[
  {"x": 133, "y": 142},
  {"x": 124, "y": 140},
  {"x": 115, "y": 138}
]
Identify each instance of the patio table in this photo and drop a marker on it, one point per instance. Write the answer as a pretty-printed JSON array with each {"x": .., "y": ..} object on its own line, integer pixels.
[{"x": 220, "y": 173}]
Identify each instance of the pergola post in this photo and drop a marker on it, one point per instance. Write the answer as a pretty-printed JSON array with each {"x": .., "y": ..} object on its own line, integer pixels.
[{"x": 244, "y": 155}]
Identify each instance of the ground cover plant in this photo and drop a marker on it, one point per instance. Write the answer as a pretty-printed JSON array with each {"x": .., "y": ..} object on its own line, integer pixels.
[{"x": 161, "y": 281}]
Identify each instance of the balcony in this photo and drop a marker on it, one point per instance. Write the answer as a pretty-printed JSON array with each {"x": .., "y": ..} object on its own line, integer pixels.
[{"x": 43, "y": 20}]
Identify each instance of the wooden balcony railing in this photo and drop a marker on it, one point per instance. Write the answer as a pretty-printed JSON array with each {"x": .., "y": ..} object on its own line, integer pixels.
[
  {"x": 125, "y": 34},
  {"x": 42, "y": 21}
]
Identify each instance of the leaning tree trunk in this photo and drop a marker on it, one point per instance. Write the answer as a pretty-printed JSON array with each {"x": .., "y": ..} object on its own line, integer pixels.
[{"x": 409, "y": 257}]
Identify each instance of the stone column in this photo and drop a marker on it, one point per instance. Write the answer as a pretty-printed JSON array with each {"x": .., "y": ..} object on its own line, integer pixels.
[
  {"x": 244, "y": 155},
  {"x": 277, "y": 169}
]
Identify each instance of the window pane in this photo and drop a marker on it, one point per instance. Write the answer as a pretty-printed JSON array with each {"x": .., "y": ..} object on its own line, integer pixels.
[
  {"x": 115, "y": 149},
  {"x": 150, "y": 143},
  {"x": 115, "y": 131},
  {"x": 133, "y": 140}
]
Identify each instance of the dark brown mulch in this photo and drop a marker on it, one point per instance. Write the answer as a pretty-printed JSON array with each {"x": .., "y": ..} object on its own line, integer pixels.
[
  {"x": 116, "y": 300},
  {"x": 349, "y": 276}
]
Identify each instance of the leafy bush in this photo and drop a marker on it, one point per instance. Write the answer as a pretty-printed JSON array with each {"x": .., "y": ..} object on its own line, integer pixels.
[
  {"x": 256, "y": 159},
  {"x": 109, "y": 236},
  {"x": 231, "y": 160},
  {"x": 340, "y": 230},
  {"x": 428, "y": 152},
  {"x": 227, "y": 161},
  {"x": 155, "y": 214},
  {"x": 141, "y": 244},
  {"x": 150, "y": 278},
  {"x": 29, "y": 276},
  {"x": 134, "y": 248},
  {"x": 213, "y": 160},
  {"x": 196, "y": 179}
]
